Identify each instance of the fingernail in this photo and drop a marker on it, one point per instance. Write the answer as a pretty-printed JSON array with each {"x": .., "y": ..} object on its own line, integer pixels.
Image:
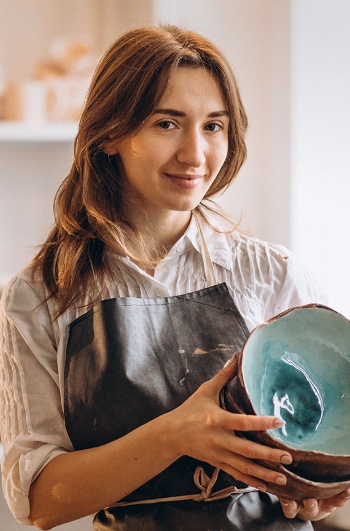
[
  {"x": 310, "y": 505},
  {"x": 281, "y": 480},
  {"x": 285, "y": 503},
  {"x": 286, "y": 459},
  {"x": 262, "y": 488},
  {"x": 231, "y": 360},
  {"x": 278, "y": 422}
]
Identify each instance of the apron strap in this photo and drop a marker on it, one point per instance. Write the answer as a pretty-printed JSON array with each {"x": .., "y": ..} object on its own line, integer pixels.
[
  {"x": 203, "y": 482},
  {"x": 209, "y": 271}
]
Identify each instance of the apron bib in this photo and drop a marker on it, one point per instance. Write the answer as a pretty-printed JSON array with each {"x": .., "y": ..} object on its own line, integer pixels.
[{"x": 130, "y": 360}]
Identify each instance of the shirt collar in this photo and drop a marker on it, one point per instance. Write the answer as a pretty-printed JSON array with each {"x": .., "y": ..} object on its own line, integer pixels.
[{"x": 216, "y": 240}]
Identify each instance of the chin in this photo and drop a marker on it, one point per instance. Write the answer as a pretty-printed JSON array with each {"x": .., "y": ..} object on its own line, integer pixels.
[{"x": 185, "y": 206}]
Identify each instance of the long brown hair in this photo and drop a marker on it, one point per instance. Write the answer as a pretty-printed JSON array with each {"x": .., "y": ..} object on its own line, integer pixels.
[{"x": 126, "y": 87}]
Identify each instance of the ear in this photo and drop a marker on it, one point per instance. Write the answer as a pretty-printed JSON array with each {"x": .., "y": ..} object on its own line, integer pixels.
[{"x": 111, "y": 147}]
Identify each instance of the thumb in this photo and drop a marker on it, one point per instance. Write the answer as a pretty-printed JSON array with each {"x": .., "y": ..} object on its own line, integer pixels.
[{"x": 225, "y": 375}]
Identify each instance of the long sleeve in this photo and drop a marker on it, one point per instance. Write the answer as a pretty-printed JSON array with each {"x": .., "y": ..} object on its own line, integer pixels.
[{"x": 32, "y": 424}]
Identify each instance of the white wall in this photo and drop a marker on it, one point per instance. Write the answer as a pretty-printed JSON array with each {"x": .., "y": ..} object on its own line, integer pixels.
[
  {"x": 320, "y": 142},
  {"x": 29, "y": 176}
]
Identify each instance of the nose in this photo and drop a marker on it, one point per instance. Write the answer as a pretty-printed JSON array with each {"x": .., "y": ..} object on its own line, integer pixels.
[{"x": 191, "y": 150}]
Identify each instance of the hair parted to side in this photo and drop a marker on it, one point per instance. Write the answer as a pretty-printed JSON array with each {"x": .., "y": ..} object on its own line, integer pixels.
[{"x": 125, "y": 89}]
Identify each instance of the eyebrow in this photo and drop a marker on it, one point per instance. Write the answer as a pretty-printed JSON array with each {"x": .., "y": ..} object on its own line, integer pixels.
[{"x": 174, "y": 112}]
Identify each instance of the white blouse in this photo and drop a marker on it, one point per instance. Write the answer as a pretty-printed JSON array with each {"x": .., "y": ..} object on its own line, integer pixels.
[{"x": 263, "y": 279}]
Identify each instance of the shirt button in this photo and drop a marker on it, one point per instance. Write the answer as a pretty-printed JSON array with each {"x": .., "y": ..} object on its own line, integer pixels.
[
  {"x": 180, "y": 248},
  {"x": 159, "y": 292}
]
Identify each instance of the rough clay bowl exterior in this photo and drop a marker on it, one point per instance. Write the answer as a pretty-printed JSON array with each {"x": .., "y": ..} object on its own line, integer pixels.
[
  {"x": 299, "y": 488},
  {"x": 297, "y": 366}
]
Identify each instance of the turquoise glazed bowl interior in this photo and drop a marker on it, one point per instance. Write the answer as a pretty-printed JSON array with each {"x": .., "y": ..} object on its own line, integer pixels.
[{"x": 298, "y": 368}]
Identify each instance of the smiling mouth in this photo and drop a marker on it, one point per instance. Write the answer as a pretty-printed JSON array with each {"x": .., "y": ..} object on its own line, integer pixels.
[
  {"x": 183, "y": 176},
  {"x": 184, "y": 180}
]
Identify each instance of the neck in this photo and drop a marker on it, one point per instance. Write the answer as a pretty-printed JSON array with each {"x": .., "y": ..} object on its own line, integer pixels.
[
  {"x": 163, "y": 228},
  {"x": 166, "y": 232}
]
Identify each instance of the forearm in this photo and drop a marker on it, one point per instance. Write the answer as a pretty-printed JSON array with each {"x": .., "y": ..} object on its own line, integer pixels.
[{"x": 80, "y": 483}]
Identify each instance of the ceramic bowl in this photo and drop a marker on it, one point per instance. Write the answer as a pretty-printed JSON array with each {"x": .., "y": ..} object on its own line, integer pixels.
[
  {"x": 299, "y": 488},
  {"x": 297, "y": 366}
]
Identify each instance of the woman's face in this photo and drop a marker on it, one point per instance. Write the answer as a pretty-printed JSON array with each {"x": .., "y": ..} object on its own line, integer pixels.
[{"x": 172, "y": 160}]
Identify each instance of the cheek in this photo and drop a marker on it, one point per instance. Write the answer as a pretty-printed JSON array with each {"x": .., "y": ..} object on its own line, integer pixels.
[
  {"x": 139, "y": 167},
  {"x": 145, "y": 152},
  {"x": 221, "y": 155}
]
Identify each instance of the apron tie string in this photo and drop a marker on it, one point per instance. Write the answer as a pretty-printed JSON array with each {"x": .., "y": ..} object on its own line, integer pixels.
[{"x": 205, "y": 485}]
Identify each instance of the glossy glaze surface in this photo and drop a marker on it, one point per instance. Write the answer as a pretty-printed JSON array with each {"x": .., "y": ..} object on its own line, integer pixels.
[{"x": 298, "y": 367}]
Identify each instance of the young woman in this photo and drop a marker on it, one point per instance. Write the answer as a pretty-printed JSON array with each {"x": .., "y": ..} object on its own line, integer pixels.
[{"x": 114, "y": 340}]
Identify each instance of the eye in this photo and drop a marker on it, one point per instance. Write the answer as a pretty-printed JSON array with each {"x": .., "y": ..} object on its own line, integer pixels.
[
  {"x": 166, "y": 124},
  {"x": 213, "y": 127}
]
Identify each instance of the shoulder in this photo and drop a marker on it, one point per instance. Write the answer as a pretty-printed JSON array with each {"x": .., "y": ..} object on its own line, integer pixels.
[
  {"x": 218, "y": 224},
  {"x": 257, "y": 249},
  {"x": 25, "y": 304},
  {"x": 277, "y": 264},
  {"x": 250, "y": 259},
  {"x": 270, "y": 272},
  {"x": 258, "y": 261},
  {"x": 273, "y": 276},
  {"x": 25, "y": 289},
  {"x": 264, "y": 278}
]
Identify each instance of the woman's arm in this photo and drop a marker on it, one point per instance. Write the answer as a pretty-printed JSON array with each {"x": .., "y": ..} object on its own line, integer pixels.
[{"x": 79, "y": 483}]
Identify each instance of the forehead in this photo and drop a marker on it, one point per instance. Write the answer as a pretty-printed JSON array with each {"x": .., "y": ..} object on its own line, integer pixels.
[{"x": 193, "y": 83}]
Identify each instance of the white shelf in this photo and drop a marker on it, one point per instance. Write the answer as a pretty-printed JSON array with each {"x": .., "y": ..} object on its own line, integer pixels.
[{"x": 41, "y": 132}]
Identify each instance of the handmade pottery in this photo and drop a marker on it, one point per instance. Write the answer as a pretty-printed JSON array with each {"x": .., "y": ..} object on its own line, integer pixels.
[
  {"x": 297, "y": 366},
  {"x": 299, "y": 488}
]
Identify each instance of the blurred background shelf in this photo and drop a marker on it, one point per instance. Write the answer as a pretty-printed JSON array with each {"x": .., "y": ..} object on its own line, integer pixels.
[{"x": 40, "y": 132}]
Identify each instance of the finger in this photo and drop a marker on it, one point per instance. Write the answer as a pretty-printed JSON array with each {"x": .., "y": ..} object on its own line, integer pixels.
[
  {"x": 328, "y": 505},
  {"x": 224, "y": 376},
  {"x": 309, "y": 510},
  {"x": 313, "y": 509},
  {"x": 253, "y": 450},
  {"x": 245, "y": 422},
  {"x": 251, "y": 470},
  {"x": 241, "y": 422},
  {"x": 343, "y": 498},
  {"x": 252, "y": 481},
  {"x": 290, "y": 508},
  {"x": 337, "y": 501}
]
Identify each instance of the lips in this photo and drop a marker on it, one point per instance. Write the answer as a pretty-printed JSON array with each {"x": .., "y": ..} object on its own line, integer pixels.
[
  {"x": 183, "y": 179},
  {"x": 186, "y": 176}
]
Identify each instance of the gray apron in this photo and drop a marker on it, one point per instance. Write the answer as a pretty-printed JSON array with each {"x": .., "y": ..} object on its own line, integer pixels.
[{"x": 130, "y": 360}]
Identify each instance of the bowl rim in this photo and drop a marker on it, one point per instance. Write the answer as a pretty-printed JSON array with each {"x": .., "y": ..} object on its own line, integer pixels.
[{"x": 298, "y": 453}]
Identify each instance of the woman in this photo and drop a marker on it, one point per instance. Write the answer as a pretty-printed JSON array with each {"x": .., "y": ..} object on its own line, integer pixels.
[{"x": 115, "y": 338}]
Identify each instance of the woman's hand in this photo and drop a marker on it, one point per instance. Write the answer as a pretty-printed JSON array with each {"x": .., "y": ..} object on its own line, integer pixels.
[
  {"x": 312, "y": 509},
  {"x": 205, "y": 431}
]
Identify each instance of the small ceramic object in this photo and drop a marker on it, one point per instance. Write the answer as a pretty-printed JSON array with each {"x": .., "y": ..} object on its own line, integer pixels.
[{"x": 297, "y": 366}]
